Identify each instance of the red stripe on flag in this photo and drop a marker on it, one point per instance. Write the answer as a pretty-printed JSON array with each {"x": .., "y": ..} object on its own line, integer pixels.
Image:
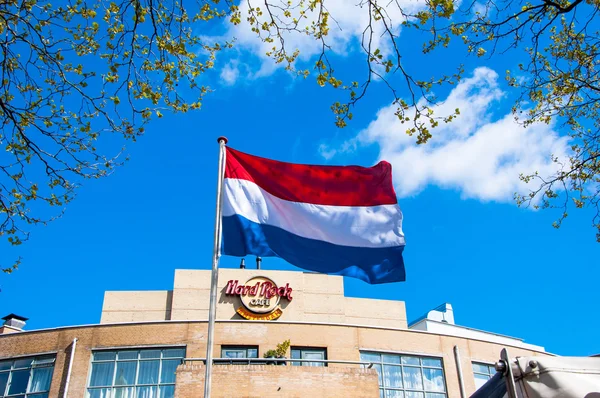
[{"x": 320, "y": 185}]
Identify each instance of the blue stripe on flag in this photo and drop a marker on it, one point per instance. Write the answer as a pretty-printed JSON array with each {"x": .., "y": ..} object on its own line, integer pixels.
[{"x": 242, "y": 237}]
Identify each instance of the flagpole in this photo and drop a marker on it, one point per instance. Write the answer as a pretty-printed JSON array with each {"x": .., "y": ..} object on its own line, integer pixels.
[{"x": 212, "y": 311}]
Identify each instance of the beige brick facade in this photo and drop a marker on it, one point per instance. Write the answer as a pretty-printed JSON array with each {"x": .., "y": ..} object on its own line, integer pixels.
[
  {"x": 277, "y": 381},
  {"x": 343, "y": 342},
  {"x": 318, "y": 316}
]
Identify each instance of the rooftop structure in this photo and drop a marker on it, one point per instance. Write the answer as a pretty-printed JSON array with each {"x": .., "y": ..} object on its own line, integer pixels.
[{"x": 153, "y": 343}]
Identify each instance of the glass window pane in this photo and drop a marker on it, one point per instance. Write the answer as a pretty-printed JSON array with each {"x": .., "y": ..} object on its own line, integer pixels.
[
  {"x": 18, "y": 381},
  {"x": 41, "y": 395},
  {"x": 127, "y": 355},
  {"x": 146, "y": 392},
  {"x": 407, "y": 376},
  {"x": 391, "y": 358},
  {"x": 313, "y": 355},
  {"x": 296, "y": 354},
  {"x": 144, "y": 354},
  {"x": 434, "y": 362},
  {"x": 99, "y": 393},
  {"x": 308, "y": 353},
  {"x": 4, "y": 365},
  {"x": 167, "y": 373},
  {"x": 370, "y": 357},
  {"x": 124, "y": 392},
  {"x": 480, "y": 380},
  {"x": 388, "y": 358},
  {"x": 392, "y": 376},
  {"x": 394, "y": 394},
  {"x": 105, "y": 356},
  {"x": 412, "y": 378},
  {"x": 239, "y": 354},
  {"x": 434, "y": 379},
  {"x": 480, "y": 368},
  {"x": 43, "y": 361},
  {"x": 125, "y": 373},
  {"x": 228, "y": 353},
  {"x": 378, "y": 369},
  {"x": 23, "y": 363},
  {"x": 102, "y": 374},
  {"x": 148, "y": 373},
  {"x": 167, "y": 391},
  {"x": 40, "y": 379},
  {"x": 252, "y": 353},
  {"x": 411, "y": 361},
  {"x": 134, "y": 373},
  {"x": 174, "y": 353},
  {"x": 3, "y": 381}
]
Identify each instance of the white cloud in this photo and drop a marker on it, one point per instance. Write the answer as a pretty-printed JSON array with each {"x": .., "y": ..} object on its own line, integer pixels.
[
  {"x": 346, "y": 28},
  {"x": 230, "y": 73},
  {"x": 326, "y": 151},
  {"x": 474, "y": 154}
]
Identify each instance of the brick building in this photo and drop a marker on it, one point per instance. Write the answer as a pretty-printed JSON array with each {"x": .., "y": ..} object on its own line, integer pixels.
[{"x": 152, "y": 344}]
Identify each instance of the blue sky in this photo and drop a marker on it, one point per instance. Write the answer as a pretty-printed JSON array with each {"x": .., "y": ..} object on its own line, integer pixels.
[{"x": 504, "y": 269}]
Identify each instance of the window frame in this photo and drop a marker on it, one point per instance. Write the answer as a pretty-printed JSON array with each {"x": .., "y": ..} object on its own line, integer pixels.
[
  {"x": 238, "y": 347},
  {"x": 303, "y": 349},
  {"x": 490, "y": 366},
  {"x": 30, "y": 367},
  {"x": 383, "y": 388},
  {"x": 135, "y": 385}
]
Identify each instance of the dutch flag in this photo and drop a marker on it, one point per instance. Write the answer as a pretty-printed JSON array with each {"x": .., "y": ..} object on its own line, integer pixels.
[{"x": 342, "y": 220}]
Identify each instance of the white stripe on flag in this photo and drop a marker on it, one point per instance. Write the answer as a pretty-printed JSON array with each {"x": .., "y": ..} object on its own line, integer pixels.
[{"x": 361, "y": 226}]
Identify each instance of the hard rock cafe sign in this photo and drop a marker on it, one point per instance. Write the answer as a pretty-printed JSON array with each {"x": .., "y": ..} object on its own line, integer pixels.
[{"x": 260, "y": 297}]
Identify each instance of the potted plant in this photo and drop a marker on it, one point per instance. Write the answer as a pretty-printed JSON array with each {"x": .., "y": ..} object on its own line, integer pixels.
[{"x": 278, "y": 353}]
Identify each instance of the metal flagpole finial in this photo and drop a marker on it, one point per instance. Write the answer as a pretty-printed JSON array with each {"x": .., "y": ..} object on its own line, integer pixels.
[{"x": 222, "y": 138}]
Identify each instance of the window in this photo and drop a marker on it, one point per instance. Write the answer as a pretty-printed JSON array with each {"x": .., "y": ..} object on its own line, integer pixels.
[
  {"x": 26, "y": 377},
  {"x": 146, "y": 373},
  {"x": 407, "y": 376},
  {"x": 482, "y": 372},
  {"x": 239, "y": 351},
  {"x": 309, "y": 353}
]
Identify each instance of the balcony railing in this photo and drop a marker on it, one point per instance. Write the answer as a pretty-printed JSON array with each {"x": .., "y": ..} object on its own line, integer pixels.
[{"x": 269, "y": 361}]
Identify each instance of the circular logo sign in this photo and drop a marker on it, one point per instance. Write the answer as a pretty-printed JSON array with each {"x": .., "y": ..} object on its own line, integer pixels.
[{"x": 262, "y": 295}]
